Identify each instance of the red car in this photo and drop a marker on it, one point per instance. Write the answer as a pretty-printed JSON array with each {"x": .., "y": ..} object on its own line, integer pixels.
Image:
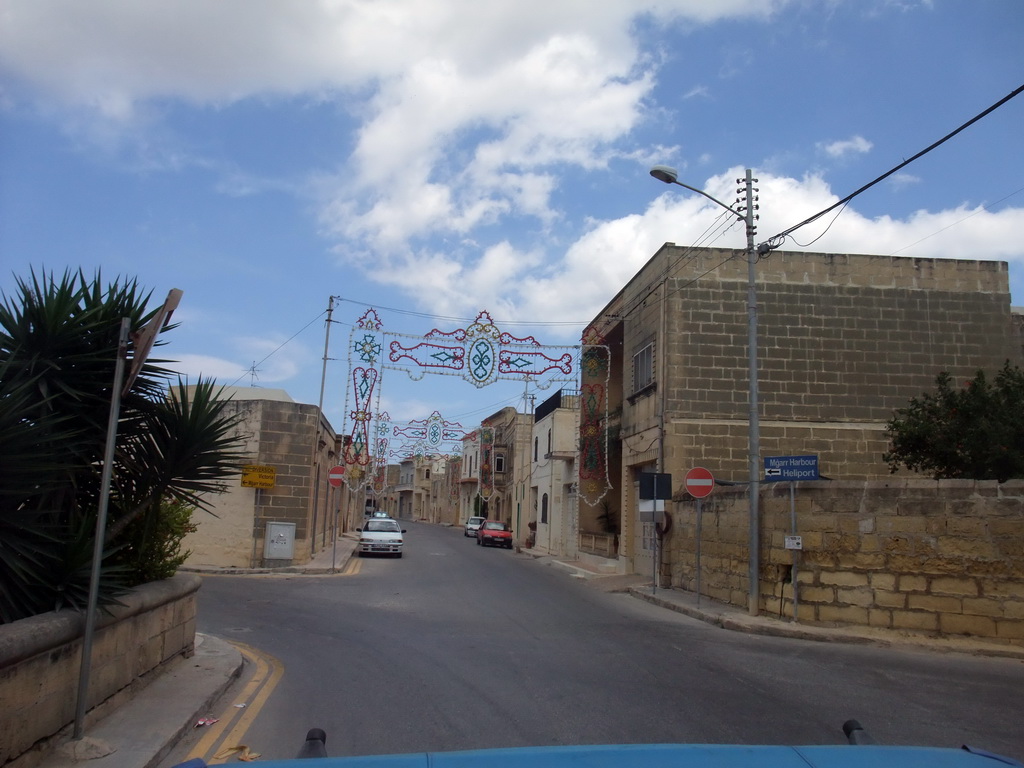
[{"x": 494, "y": 533}]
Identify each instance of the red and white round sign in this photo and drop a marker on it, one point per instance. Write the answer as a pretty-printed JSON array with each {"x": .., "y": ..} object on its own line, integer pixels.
[
  {"x": 336, "y": 476},
  {"x": 699, "y": 482}
]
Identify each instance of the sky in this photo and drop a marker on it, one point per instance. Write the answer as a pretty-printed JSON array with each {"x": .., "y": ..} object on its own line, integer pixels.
[{"x": 433, "y": 159}]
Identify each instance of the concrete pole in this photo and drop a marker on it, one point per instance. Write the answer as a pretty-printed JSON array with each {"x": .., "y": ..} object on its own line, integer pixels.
[{"x": 754, "y": 486}]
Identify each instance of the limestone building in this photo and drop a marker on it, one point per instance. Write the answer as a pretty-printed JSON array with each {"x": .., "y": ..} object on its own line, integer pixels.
[
  {"x": 293, "y": 515},
  {"x": 844, "y": 340}
]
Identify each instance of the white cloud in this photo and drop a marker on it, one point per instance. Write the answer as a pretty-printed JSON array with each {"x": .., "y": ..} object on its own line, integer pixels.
[
  {"x": 855, "y": 144},
  {"x": 521, "y": 87},
  {"x": 194, "y": 366},
  {"x": 259, "y": 361}
]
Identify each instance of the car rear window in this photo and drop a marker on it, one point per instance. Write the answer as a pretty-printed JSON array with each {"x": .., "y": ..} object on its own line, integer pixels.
[{"x": 382, "y": 526}]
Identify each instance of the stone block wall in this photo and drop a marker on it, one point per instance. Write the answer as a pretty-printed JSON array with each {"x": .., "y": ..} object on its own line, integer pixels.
[
  {"x": 279, "y": 433},
  {"x": 843, "y": 341},
  {"x": 944, "y": 558},
  {"x": 40, "y": 659}
]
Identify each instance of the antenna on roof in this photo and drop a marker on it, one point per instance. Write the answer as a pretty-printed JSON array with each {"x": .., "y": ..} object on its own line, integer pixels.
[{"x": 253, "y": 378}]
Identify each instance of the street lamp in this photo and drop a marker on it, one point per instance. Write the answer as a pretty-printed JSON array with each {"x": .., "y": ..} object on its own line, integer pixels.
[{"x": 671, "y": 176}]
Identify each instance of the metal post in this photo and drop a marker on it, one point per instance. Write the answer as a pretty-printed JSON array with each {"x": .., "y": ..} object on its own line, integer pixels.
[
  {"x": 754, "y": 486},
  {"x": 670, "y": 176},
  {"x": 315, "y": 458},
  {"x": 700, "y": 512},
  {"x": 654, "y": 566},
  {"x": 101, "y": 528},
  {"x": 334, "y": 528},
  {"x": 796, "y": 552}
]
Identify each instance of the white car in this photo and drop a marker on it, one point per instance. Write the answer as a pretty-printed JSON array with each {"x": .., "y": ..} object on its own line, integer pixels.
[
  {"x": 473, "y": 525},
  {"x": 380, "y": 535}
]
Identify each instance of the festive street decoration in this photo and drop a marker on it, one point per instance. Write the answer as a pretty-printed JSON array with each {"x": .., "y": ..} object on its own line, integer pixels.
[
  {"x": 366, "y": 343},
  {"x": 481, "y": 354},
  {"x": 431, "y": 436},
  {"x": 486, "y": 482},
  {"x": 595, "y": 366}
]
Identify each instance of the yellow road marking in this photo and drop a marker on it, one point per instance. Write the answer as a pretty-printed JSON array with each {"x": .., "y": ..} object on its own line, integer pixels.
[
  {"x": 352, "y": 567},
  {"x": 255, "y": 694}
]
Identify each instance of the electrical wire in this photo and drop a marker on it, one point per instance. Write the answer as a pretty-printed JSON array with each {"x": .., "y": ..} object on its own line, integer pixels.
[
  {"x": 715, "y": 231},
  {"x": 777, "y": 240},
  {"x": 278, "y": 349},
  {"x": 959, "y": 221},
  {"x": 467, "y": 320}
]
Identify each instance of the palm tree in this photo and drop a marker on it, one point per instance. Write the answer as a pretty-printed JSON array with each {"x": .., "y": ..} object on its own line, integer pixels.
[{"x": 58, "y": 349}]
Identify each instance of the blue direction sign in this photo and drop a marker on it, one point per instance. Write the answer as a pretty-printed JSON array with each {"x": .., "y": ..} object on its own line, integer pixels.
[{"x": 778, "y": 468}]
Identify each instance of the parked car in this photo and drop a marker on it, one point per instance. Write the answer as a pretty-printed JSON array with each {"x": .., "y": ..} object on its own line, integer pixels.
[
  {"x": 494, "y": 533},
  {"x": 473, "y": 525},
  {"x": 380, "y": 535}
]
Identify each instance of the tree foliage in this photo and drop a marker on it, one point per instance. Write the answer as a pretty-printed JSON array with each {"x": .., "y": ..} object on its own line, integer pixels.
[
  {"x": 975, "y": 432},
  {"x": 58, "y": 351}
]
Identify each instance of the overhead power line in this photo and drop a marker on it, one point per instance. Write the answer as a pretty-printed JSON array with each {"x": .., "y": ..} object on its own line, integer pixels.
[{"x": 776, "y": 241}]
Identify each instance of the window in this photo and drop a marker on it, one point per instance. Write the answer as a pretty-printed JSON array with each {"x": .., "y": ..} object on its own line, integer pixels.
[
  {"x": 549, "y": 441},
  {"x": 544, "y": 508},
  {"x": 499, "y": 462},
  {"x": 536, "y": 443},
  {"x": 643, "y": 368}
]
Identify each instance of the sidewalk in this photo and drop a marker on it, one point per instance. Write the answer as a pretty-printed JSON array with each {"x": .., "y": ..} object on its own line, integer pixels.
[
  {"x": 143, "y": 732},
  {"x": 142, "y": 735},
  {"x": 331, "y": 559}
]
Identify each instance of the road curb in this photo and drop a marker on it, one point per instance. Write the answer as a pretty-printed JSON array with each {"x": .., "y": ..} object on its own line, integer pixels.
[{"x": 764, "y": 625}]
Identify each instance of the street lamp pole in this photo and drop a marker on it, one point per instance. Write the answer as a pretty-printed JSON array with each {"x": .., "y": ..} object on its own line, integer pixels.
[{"x": 670, "y": 176}]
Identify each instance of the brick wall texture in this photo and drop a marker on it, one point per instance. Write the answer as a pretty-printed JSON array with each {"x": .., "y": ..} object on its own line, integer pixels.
[
  {"x": 844, "y": 340},
  {"x": 40, "y": 658},
  {"x": 944, "y": 558}
]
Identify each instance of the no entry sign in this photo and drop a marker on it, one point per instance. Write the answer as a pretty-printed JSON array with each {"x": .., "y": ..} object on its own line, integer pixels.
[
  {"x": 699, "y": 482},
  {"x": 336, "y": 476}
]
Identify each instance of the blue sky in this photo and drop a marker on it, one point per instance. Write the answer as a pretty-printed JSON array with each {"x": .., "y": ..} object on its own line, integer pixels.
[{"x": 436, "y": 158}]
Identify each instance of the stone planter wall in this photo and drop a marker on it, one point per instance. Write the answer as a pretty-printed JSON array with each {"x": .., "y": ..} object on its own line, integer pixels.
[{"x": 40, "y": 660}]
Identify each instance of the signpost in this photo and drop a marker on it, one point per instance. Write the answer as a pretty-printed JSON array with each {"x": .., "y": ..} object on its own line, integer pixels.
[
  {"x": 258, "y": 476},
  {"x": 336, "y": 476},
  {"x": 699, "y": 483},
  {"x": 792, "y": 469},
  {"x": 655, "y": 490}
]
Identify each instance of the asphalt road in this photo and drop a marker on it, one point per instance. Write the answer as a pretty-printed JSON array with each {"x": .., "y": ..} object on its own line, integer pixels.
[{"x": 455, "y": 646}]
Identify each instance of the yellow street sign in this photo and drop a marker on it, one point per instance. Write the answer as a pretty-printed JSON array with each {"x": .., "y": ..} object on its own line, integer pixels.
[{"x": 256, "y": 476}]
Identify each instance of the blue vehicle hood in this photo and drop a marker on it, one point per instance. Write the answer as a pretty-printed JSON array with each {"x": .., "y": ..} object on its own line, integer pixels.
[{"x": 671, "y": 756}]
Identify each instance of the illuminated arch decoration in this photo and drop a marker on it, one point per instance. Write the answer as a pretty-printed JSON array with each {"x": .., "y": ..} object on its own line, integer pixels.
[
  {"x": 383, "y": 441},
  {"x": 481, "y": 354},
  {"x": 485, "y": 486},
  {"x": 453, "y": 478},
  {"x": 595, "y": 369},
  {"x": 432, "y": 436},
  {"x": 362, "y": 396}
]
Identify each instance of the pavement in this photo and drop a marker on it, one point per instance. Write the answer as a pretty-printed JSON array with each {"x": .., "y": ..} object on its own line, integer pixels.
[{"x": 143, "y": 733}]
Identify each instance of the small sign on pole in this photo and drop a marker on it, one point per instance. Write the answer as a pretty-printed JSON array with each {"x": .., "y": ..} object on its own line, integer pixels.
[
  {"x": 336, "y": 476},
  {"x": 258, "y": 476},
  {"x": 792, "y": 468},
  {"x": 699, "y": 482}
]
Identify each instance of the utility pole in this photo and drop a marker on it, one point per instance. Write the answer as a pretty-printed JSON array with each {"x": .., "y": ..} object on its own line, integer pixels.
[
  {"x": 315, "y": 457},
  {"x": 754, "y": 423},
  {"x": 671, "y": 176}
]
